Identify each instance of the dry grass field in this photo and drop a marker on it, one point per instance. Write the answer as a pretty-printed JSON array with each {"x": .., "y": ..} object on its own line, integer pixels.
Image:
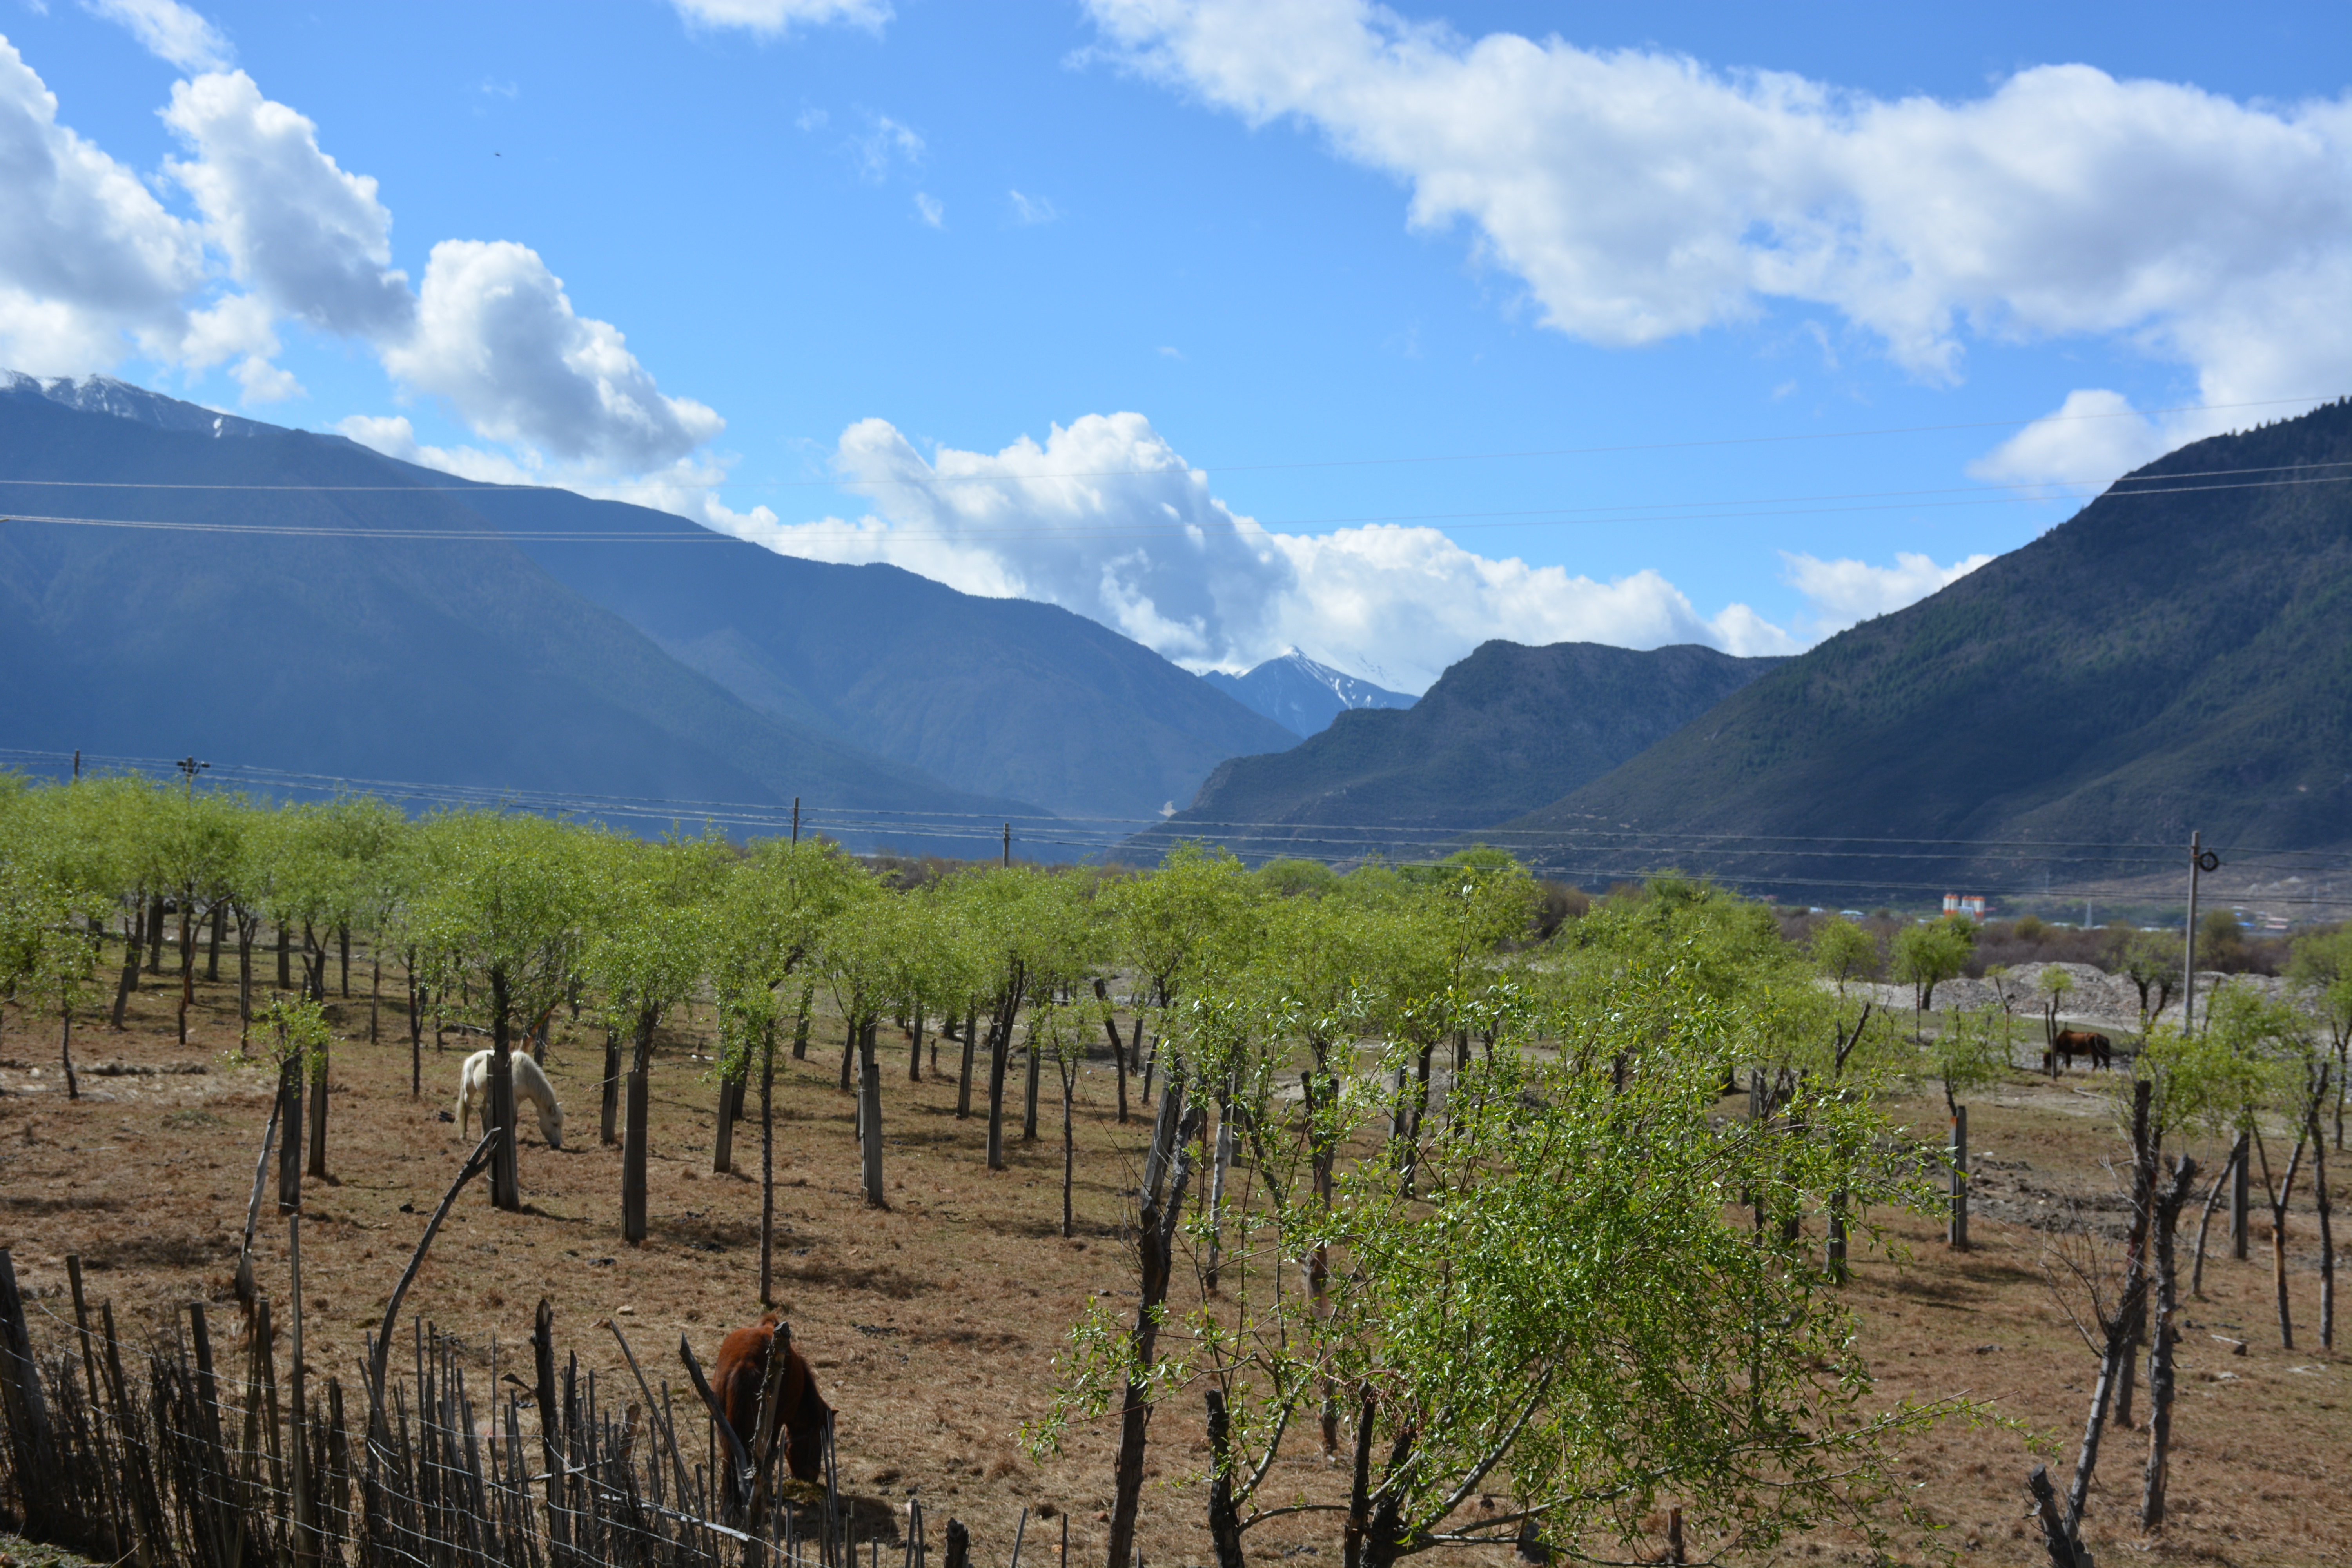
[{"x": 934, "y": 1325}]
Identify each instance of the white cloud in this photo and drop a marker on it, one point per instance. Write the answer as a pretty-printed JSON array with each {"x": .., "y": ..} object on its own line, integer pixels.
[
  {"x": 496, "y": 336},
  {"x": 90, "y": 261},
  {"x": 313, "y": 238},
  {"x": 1032, "y": 209},
  {"x": 1642, "y": 196},
  {"x": 930, "y": 210},
  {"x": 395, "y": 437},
  {"x": 2094, "y": 436},
  {"x": 773, "y": 18},
  {"x": 1104, "y": 519},
  {"x": 170, "y": 31},
  {"x": 1845, "y": 591},
  {"x": 884, "y": 142}
]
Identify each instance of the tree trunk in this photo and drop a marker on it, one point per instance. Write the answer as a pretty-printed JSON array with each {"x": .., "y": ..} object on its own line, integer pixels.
[
  {"x": 2164, "y": 1338},
  {"x": 999, "y": 1033},
  {"x": 1958, "y": 1234},
  {"x": 731, "y": 1107},
  {"x": 375, "y": 985},
  {"x": 213, "y": 940},
  {"x": 2278, "y": 1201},
  {"x": 415, "y": 1030},
  {"x": 318, "y": 1116},
  {"x": 129, "y": 980},
  {"x": 187, "y": 968},
  {"x": 632, "y": 1138},
  {"x": 2241, "y": 1203},
  {"x": 768, "y": 1164},
  {"x": 2212, "y": 1201},
  {"x": 1225, "y": 1522},
  {"x": 1156, "y": 1237},
  {"x": 915, "y": 1055},
  {"x": 1069, "y": 1149},
  {"x": 155, "y": 933},
  {"x": 505, "y": 1179},
  {"x": 869, "y": 1118},
  {"x": 2326, "y": 1229},
  {"x": 1118, "y": 1050},
  {"x": 2118, "y": 1327},
  {"x": 1029, "y": 1102},
  {"x": 611, "y": 1096},
  {"x": 244, "y": 926},
  {"x": 65, "y": 1052},
  {"x": 963, "y": 1079},
  {"x": 284, "y": 958},
  {"x": 344, "y": 944}
]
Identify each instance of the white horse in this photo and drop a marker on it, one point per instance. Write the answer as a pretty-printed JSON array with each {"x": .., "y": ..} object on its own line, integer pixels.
[{"x": 529, "y": 1083}]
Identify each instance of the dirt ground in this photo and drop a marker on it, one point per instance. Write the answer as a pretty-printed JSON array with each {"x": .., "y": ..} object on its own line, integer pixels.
[{"x": 934, "y": 1325}]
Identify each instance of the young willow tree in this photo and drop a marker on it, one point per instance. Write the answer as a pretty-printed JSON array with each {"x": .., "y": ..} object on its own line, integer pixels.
[
  {"x": 498, "y": 921},
  {"x": 1558, "y": 1309}
]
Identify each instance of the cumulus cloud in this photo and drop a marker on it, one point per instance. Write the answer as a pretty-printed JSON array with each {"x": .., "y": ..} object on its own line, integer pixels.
[
  {"x": 313, "y": 238},
  {"x": 2094, "y": 436},
  {"x": 170, "y": 30},
  {"x": 1642, "y": 196},
  {"x": 1845, "y": 591},
  {"x": 89, "y": 258},
  {"x": 771, "y": 18},
  {"x": 496, "y": 336},
  {"x": 1104, "y": 518}
]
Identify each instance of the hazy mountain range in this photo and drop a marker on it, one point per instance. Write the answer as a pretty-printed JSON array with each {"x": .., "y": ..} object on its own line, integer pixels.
[
  {"x": 313, "y": 606},
  {"x": 1301, "y": 694},
  {"x": 2179, "y": 655}
]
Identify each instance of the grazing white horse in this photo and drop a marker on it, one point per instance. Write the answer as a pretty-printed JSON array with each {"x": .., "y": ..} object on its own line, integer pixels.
[{"x": 529, "y": 1083}]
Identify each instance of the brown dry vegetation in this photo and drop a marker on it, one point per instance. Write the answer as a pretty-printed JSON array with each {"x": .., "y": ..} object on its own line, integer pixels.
[{"x": 934, "y": 1325}]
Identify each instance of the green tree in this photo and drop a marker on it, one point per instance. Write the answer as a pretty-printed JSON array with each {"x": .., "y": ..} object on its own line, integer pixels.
[
  {"x": 498, "y": 921},
  {"x": 1844, "y": 952},
  {"x": 2319, "y": 967},
  {"x": 1928, "y": 954},
  {"x": 646, "y": 949},
  {"x": 1494, "y": 1326}
]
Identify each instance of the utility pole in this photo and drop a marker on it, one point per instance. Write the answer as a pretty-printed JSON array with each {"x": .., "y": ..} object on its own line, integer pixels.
[
  {"x": 1008, "y": 844},
  {"x": 796, "y": 819},
  {"x": 2200, "y": 859},
  {"x": 188, "y": 765},
  {"x": 77, "y": 765}
]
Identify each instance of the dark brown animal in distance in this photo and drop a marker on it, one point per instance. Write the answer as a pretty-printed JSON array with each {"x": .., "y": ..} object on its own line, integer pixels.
[
  {"x": 743, "y": 1368},
  {"x": 2071, "y": 1042}
]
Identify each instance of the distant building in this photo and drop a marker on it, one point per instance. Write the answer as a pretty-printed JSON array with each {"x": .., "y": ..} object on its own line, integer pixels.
[{"x": 1972, "y": 905}]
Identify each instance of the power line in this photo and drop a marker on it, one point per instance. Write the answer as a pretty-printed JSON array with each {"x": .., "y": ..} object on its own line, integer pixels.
[
  {"x": 935, "y": 478},
  {"x": 1544, "y": 517},
  {"x": 1106, "y": 832}
]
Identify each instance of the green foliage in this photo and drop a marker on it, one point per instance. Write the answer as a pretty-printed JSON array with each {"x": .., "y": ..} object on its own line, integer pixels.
[
  {"x": 1844, "y": 952},
  {"x": 298, "y": 1026},
  {"x": 1496, "y": 1312},
  {"x": 1971, "y": 1051},
  {"x": 1924, "y": 956}
]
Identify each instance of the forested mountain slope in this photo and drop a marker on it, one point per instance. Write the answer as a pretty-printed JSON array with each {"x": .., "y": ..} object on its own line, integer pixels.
[
  {"x": 861, "y": 674},
  {"x": 352, "y": 651},
  {"x": 1503, "y": 730},
  {"x": 2177, "y": 655}
]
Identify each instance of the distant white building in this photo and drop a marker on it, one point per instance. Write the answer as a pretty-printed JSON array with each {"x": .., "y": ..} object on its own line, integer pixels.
[{"x": 1972, "y": 905}]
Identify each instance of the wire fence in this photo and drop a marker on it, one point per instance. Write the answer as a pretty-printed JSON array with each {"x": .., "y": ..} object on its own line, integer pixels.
[{"x": 170, "y": 1455}]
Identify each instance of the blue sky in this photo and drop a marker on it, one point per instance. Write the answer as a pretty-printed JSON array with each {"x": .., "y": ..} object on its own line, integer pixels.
[{"x": 1044, "y": 299}]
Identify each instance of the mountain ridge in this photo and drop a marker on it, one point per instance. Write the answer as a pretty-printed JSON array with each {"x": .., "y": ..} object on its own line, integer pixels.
[
  {"x": 2178, "y": 655},
  {"x": 1507, "y": 725},
  {"x": 1302, "y": 695}
]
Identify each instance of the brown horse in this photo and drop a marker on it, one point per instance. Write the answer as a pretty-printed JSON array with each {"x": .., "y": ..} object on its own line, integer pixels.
[
  {"x": 2069, "y": 1042},
  {"x": 743, "y": 1369}
]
